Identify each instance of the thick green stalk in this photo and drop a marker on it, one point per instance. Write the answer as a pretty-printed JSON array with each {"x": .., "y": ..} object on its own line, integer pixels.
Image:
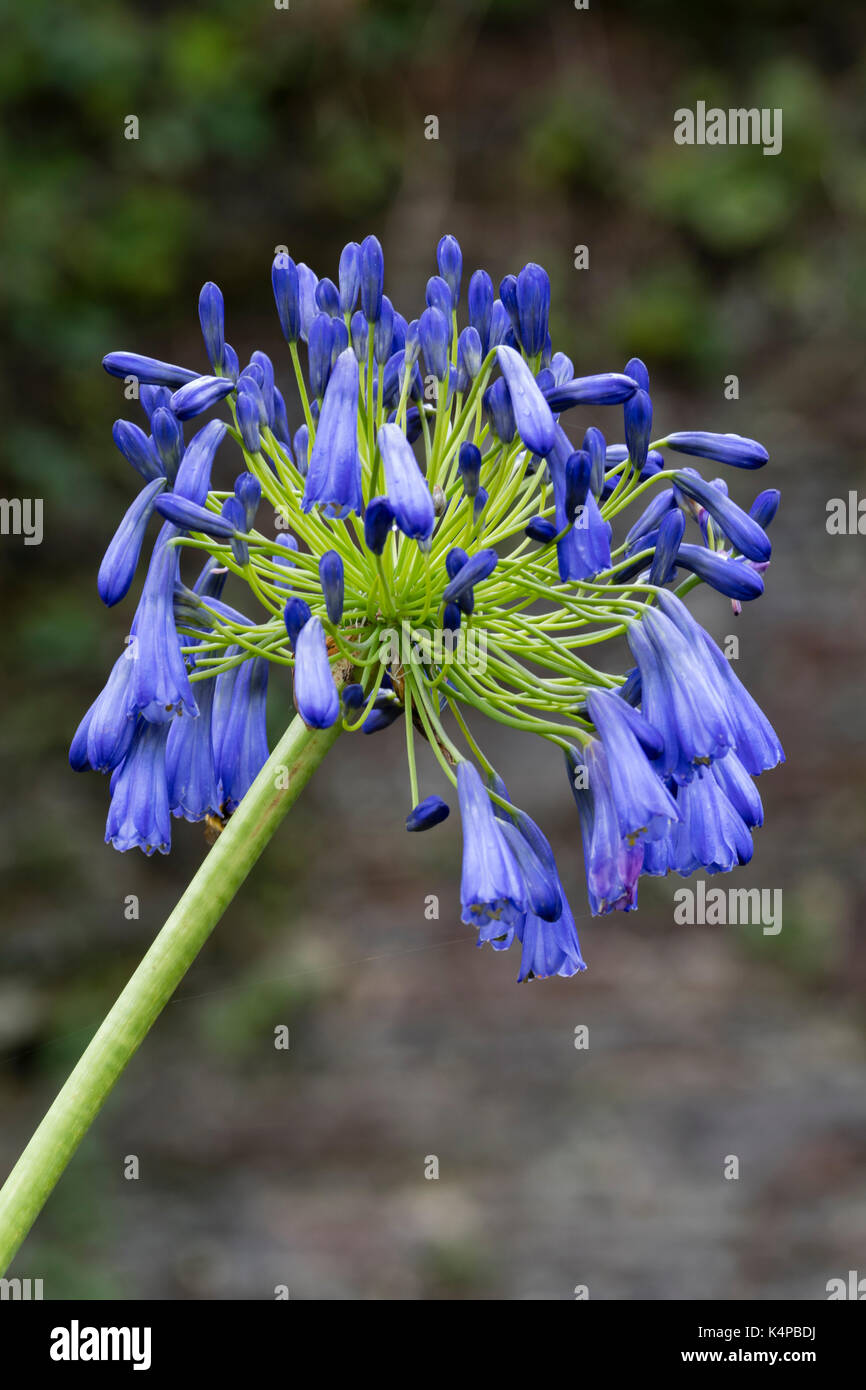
[{"x": 42, "y": 1163}]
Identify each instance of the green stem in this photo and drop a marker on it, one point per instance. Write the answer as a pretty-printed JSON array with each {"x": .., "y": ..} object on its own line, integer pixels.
[{"x": 277, "y": 787}]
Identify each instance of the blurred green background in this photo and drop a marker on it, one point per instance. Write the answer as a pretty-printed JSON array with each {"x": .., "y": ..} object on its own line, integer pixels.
[{"x": 558, "y": 1167}]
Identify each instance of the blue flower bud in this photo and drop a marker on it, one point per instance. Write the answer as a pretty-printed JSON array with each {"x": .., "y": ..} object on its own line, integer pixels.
[
  {"x": 638, "y": 412},
  {"x": 339, "y": 340},
  {"x": 723, "y": 448},
  {"x": 508, "y": 296},
  {"x": 307, "y": 282},
  {"x": 350, "y": 276},
  {"x": 434, "y": 333},
  {"x": 478, "y": 567},
  {"x": 167, "y": 434},
  {"x": 735, "y": 578},
  {"x": 562, "y": 368},
  {"x": 301, "y": 449},
  {"x": 594, "y": 445},
  {"x": 266, "y": 367},
  {"x": 407, "y": 491},
  {"x": 381, "y": 719},
  {"x": 500, "y": 325},
  {"x": 191, "y": 517},
  {"x": 287, "y": 293},
  {"x": 741, "y": 529},
  {"x": 480, "y": 300},
  {"x": 147, "y": 370},
  {"x": 651, "y": 516},
  {"x": 636, "y": 369},
  {"x": 401, "y": 328},
  {"x": 497, "y": 405},
  {"x": 249, "y": 422},
  {"x": 438, "y": 296},
  {"x": 469, "y": 467},
  {"x": 469, "y": 358},
  {"x": 231, "y": 365},
  {"x": 121, "y": 558},
  {"x": 455, "y": 560},
  {"x": 106, "y": 732},
  {"x": 248, "y": 491},
  {"x": 451, "y": 617},
  {"x": 359, "y": 331},
  {"x": 432, "y": 810},
  {"x": 137, "y": 449},
  {"x": 532, "y": 415},
  {"x": 152, "y": 397},
  {"x": 533, "y": 307},
  {"x": 765, "y": 506},
  {"x": 211, "y": 314},
  {"x": 320, "y": 344},
  {"x": 449, "y": 259},
  {"x": 670, "y": 534},
  {"x": 295, "y": 614},
  {"x": 199, "y": 395},
  {"x": 384, "y": 332},
  {"x": 333, "y": 584},
  {"x": 607, "y": 388},
  {"x": 234, "y": 514},
  {"x": 334, "y": 475},
  {"x": 193, "y": 476},
  {"x": 538, "y": 529},
  {"x": 328, "y": 298},
  {"x": 315, "y": 692},
  {"x": 372, "y": 268},
  {"x": 578, "y": 471},
  {"x": 378, "y": 524},
  {"x": 479, "y": 503},
  {"x": 353, "y": 696}
]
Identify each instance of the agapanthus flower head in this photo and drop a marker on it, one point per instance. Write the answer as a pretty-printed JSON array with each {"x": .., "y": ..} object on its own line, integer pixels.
[{"x": 437, "y": 551}]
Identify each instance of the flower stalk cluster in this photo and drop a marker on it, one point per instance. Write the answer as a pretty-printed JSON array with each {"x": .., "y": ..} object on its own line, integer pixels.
[{"x": 433, "y": 487}]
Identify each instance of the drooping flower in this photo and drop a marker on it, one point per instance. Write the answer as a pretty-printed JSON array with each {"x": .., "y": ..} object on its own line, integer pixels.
[
  {"x": 407, "y": 491},
  {"x": 139, "y": 816},
  {"x": 334, "y": 474}
]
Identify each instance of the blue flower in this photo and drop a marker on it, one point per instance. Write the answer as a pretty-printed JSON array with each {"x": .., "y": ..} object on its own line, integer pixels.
[
  {"x": 584, "y": 550},
  {"x": 287, "y": 294},
  {"x": 160, "y": 682},
  {"x": 549, "y": 948},
  {"x": 532, "y": 415},
  {"x": 189, "y": 761},
  {"x": 736, "y": 578},
  {"x": 350, "y": 276},
  {"x": 434, "y": 335},
  {"x": 429, "y": 812},
  {"x": 240, "y": 735},
  {"x": 480, "y": 303},
  {"x": 469, "y": 467},
  {"x": 408, "y": 494},
  {"x": 147, "y": 370},
  {"x": 193, "y": 475},
  {"x": 137, "y": 449},
  {"x": 607, "y": 388},
  {"x": 333, "y": 584},
  {"x": 109, "y": 724},
  {"x": 741, "y": 529},
  {"x": 668, "y": 546},
  {"x": 378, "y": 524},
  {"x": 449, "y": 259},
  {"x": 718, "y": 836},
  {"x": 475, "y": 569},
  {"x": 372, "y": 269},
  {"x": 612, "y": 862},
  {"x": 139, "y": 816},
  {"x": 491, "y": 887},
  {"x": 438, "y": 296},
  {"x": 644, "y": 806},
  {"x": 121, "y": 558},
  {"x": 334, "y": 474},
  {"x": 765, "y": 506},
  {"x": 182, "y": 513},
  {"x": 533, "y": 308},
  {"x": 723, "y": 448},
  {"x": 315, "y": 692},
  {"x": 211, "y": 314},
  {"x": 754, "y": 738},
  {"x": 167, "y": 432},
  {"x": 249, "y": 422},
  {"x": 295, "y": 614},
  {"x": 681, "y": 696},
  {"x": 638, "y": 412}
]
